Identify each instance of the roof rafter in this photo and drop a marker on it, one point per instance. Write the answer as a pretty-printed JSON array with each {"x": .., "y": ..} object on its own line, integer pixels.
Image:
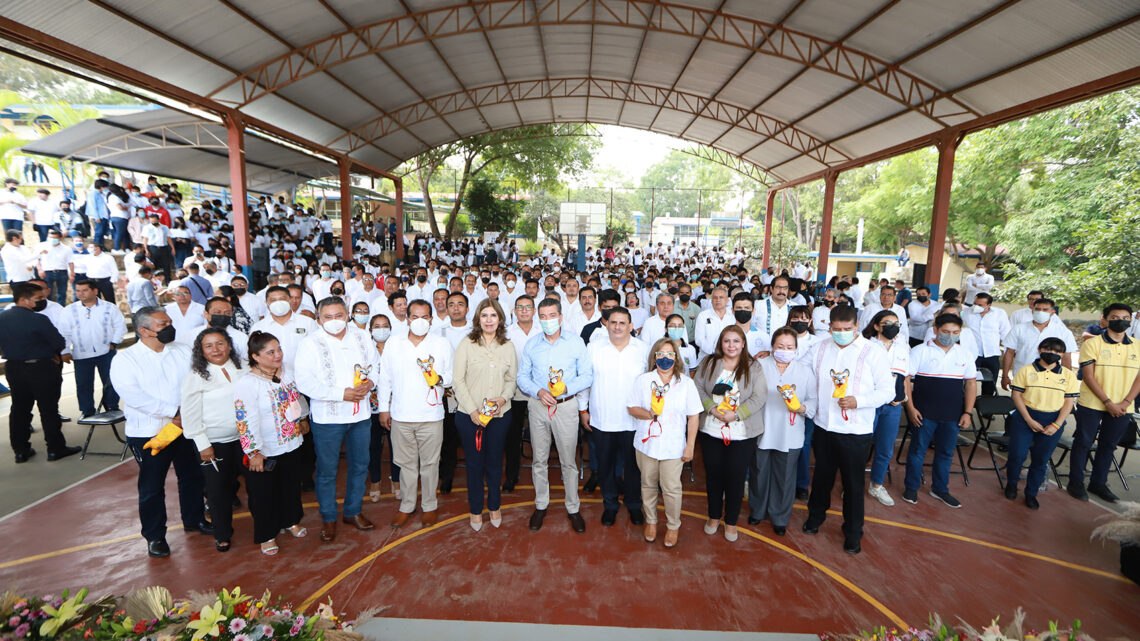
[
  {"x": 742, "y": 166},
  {"x": 685, "y": 67}
]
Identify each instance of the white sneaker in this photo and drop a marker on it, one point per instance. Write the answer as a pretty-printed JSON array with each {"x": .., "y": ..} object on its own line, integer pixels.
[{"x": 881, "y": 494}]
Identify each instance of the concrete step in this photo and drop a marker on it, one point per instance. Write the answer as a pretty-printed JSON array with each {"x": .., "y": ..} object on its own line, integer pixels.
[{"x": 386, "y": 629}]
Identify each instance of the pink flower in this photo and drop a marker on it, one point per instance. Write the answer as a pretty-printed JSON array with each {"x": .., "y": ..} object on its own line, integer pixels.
[
  {"x": 21, "y": 605},
  {"x": 267, "y": 631},
  {"x": 22, "y": 631},
  {"x": 237, "y": 625},
  {"x": 295, "y": 630},
  {"x": 242, "y": 637},
  {"x": 13, "y": 622}
]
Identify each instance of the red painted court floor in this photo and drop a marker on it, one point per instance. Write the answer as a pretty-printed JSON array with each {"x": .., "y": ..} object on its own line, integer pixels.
[{"x": 984, "y": 560}]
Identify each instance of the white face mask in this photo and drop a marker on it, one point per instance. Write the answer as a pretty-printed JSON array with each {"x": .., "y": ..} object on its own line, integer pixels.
[
  {"x": 334, "y": 326},
  {"x": 980, "y": 271},
  {"x": 1041, "y": 317},
  {"x": 419, "y": 326},
  {"x": 381, "y": 334},
  {"x": 279, "y": 307}
]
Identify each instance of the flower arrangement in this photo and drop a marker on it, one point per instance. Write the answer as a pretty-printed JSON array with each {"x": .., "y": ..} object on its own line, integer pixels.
[
  {"x": 936, "y": 630},
  {"x": 152, "y": 614}
]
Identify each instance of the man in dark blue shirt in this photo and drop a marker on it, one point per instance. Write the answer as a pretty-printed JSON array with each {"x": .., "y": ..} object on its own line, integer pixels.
[{"x": 31, "y": 345}]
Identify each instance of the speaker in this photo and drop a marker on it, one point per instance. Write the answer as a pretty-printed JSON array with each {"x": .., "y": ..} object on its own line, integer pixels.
[{"x": 260, "y": 259}]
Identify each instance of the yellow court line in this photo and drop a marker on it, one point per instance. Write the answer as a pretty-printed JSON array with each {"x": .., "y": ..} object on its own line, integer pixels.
[{"x": 78, "y": 548}]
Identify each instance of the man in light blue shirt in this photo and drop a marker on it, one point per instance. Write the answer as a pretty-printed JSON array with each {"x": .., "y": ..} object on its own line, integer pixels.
[
  {"x": 553, "y": 369},
  {"x": 140, "y": 290},
  {"x": 96, "y": 209}
]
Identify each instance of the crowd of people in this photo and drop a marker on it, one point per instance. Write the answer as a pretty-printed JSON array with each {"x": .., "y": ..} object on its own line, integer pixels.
[{"x": 467, "y": 346}]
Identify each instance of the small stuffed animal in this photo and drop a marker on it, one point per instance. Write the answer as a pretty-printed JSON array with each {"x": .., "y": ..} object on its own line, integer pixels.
[
  {"x": 428, "y": 369},
  {"x": 556, "y": 385},
  {"x": 788, "y": 393},
  {"x": 729, "y": 402},
  {"x": 360, "y": 374},
  {"x": 657, "y": 401},
  {"x": 165, "y": 437},
  {"x": 840, "y": 381},
  {"x": 487, "y": 411}
]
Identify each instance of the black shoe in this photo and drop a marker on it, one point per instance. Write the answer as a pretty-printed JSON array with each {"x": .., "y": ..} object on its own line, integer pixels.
[
  {"x": 508, "y": 487},
  {"x": 636, "y": 517},
  {"x": 158, "y": 548},
  {"x": 1104, "y": 493},
  {"x": 608, "y": 517},
  {"x": 64, "y": 419},
  {"x": 779, "y": 530},
  {"x": 445, "y": 486},
  {"x": 88, "y": 414},
  {"x": 1011, "y": 492},
  {"x": 202, "y": 528},
  {"x": 810, "y": 529},
  {"x": 946, "y": 498},
  {"x": 591, "y": 483},
  {"x": 22, "y": 457},
  {"x": 852, "y": 548},
  {"x": 1077, "y": 491},
  {"x": 536, "y": 520},
  {"x": 64, "y": 453},
  {"x": 577, "y": 522},
  {"x": 802, "y": 493},
  {"x": 754, "y": 521},
  {"x": 1031, "y": 502},
  {"x": 910, "y": 496}
]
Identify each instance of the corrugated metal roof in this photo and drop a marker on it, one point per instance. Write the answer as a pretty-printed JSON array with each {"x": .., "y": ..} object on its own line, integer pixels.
[{"x": 863, "y": 75}]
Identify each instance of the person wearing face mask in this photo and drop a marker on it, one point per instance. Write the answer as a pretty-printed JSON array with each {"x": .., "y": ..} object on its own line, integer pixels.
[
  {"x": 886, "y": 301},
  {"x": 341, "y": 366},
  {"x": 920, "y": 315},
  {"x": 321, "y": 287},
  {"x": 251, "y": 303},
  {"x": 1110, "y": 383},
  {"x": 710, "y": 322},
  {"x": 159, "y": 245},
  {"x": 19, "y": 261},
  {"x": 988, "y": 325},
  {"x": 148, "y": 378},
  {"x": 289, "y": 327},
  {"x": 654, "y": 327},
  {"x": 852, "y": 378},
  {"x": 977, "y": 283},
  {"x": 219, "y": 314},
  {"x": 412, "y": 377},
  {"x": 772, "y": 482},
  {"x": 361, "y": 316},
  {"x": 940, "y": 390},
  {"x": 56, "y": 266},
  {"x": 1044, "y": 394},
  {"x": 675, "y": 331},
  {"x": 742, "y": 312},
  {"x": 380, "y": 328},
  {"x": 1022, "y": 340},
  {"x": 884, "y": 329},
  {"x": 31, "y": 344}
]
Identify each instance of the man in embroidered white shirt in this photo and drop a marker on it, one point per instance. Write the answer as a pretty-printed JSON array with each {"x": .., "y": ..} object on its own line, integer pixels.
[
  {"x": 340, "y": 366},
  {"x": 92, "y": 329}
]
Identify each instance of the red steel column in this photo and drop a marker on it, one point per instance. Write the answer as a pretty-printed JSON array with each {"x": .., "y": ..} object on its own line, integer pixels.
[
  {"x": 399, "y": 182},
  {"x": 767, "y": 259},
  {"x": 825, "y": 229},
  {"x": 346, "y": 206},
  {"x": 236, "y": 142},
  {"x": 947, "y": 143}
]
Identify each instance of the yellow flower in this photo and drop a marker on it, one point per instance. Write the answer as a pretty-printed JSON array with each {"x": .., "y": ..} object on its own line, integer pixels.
[{"x": 208, "y": 622}]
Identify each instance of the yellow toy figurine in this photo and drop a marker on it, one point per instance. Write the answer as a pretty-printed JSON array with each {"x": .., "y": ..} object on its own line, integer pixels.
[
  {"x": 657, "y": 401},
  {"x": 487, "y": 411},
  {"x": 360, "y": 374},
  {"x": 556, "y": 385},
  {"x": 788, "y": 393},
  {"x": 428, "y": 369},
  {"x": 729, "y": 402},
  {"x": 840, "y": 381},
  {"x": 165, "y": 437}
]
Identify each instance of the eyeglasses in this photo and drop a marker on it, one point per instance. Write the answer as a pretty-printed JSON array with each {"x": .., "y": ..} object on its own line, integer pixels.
[
  {"x": 524, "y": 306},
  {"x": 665, "y": 354}
]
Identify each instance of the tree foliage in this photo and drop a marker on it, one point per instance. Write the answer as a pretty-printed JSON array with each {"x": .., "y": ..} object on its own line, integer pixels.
[
  {"x": 681, "y": 184},
  {"x": 39, "y": 84},
  {"x": 487, "y": 212}
]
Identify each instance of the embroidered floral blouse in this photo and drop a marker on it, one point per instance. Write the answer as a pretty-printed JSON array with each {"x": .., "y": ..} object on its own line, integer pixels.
[{"x": 267, "y": 414}]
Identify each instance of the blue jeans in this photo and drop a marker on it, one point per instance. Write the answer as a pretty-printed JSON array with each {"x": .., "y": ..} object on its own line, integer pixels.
[
  {"x": 328, "y": 438},
  {"x": 485, "y": 465},
  {"x": 944, "y": 436},
  {"x": 57, "y": 282},
  {"x": 85, "y": 383},
  {"x": 43, "y": 230},
  {"x": 99, "y": 230},
  {"x": 12, "y": 225},
  {"x": 886, "y": 431},
  {"x": 803, "y": 468},
  {"x": 1024, "y": 441},
  {"x": 119, "y": 234}
]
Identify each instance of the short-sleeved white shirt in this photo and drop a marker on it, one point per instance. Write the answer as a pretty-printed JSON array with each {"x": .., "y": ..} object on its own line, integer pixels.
[{"x": 670, "y": 430}]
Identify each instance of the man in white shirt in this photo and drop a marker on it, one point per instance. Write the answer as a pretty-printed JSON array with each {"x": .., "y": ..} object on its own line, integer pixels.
[
  {"x": 772, "y": 314},
  {"x": 159, "y": 245},
  {"x": 335, "y": 360},
  {"x": 585, "y": 313},
  {"x": 148, "y": 379},
  {"x": 219, "y": 314},
  {"x": 854, "y": 379},
  {"x": 92, "y": 329},
  {"x": 523, "y": 329},
  {"x": 654, "y": 327},
  {"x": 102, "y": 268},
  {"x": 616, "y": 364},
  {"x": 920, "y": 315},
  {"x": 322, "y": 286},
  {"x": 414, "y": 371},
  {"x": 712, "y": 321},
  {"x": 57, "y": 266},
  {"x": 19, "y": 262},
  {"x": 978, "y": 282},
  {"x": 1022, "y": 340},
  {"x": 821, "y": 315},
  {"x": 989, "y": 326},
  {"x": 289, "y": 327},
  {"x": 454, "y": 330},
  {"x": 12, "y": 206},
  {"x": 43, "y": 213},
  {"x": 187, "y": 317},
  {"x": 886, "y": 301},
  {"x": 249, "y": 302}
]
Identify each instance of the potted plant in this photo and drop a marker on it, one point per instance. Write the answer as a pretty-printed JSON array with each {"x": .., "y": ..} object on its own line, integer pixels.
[{"x": 1125, "y": 531}]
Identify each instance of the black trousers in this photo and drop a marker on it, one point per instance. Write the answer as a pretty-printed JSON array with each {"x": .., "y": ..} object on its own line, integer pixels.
[
  {"x": 35, "y": 384},
  {"x": 307, "y": 454},
  {"x": 275, "y": 497},
  {"x": 161, "y": 257},
  {"x": 449, "y": 450},
  {"x": 611, "y": 448},
  {"x": 183, "y": 455},
  {"x": 221, "y": 486},
  {"x": 1106, "y": 430},
  {"x": 726, "y": 467},
  {"x": 992, "y": 363},
  {"x": 485, "y": 465},
  {"x": 376, "y": 452},
  {"x": 512, "y": 451},
  {"x": 106, "y": 289},
  {"x": 846, "y": 454}
]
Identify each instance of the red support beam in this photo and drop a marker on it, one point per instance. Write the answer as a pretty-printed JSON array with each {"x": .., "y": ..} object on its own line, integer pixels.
[
  {"x": 399, "y": 182},
  {"x": 235, "y": 139},
  {"x": 829, "y": 180},
  {"x": 345, "y": 164},
  {"x": 947, "y": 145},
  {"x": 767, "y": 258}
]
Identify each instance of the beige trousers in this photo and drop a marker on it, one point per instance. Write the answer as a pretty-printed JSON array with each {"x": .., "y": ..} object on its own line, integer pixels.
[
  {"x": 562, "y": 429},
  {"x": 667, "y": 474},
  {"x": 415, "y": 448}
]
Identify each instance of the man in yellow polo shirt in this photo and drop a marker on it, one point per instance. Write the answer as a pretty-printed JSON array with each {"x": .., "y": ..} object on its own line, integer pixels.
[
  {"x": 1110, "y": 382},
  {"x": 1043, "y": 393}
]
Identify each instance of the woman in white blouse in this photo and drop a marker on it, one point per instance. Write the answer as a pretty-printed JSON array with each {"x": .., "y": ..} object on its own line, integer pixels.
[
  {"x": 381, "y": 330},
  {"x": 667, "y": 407},
  {"x": 207, "y": 395},
  {"x": 772, "y": 484},
  {"x": 271, "y": 423},
  {"x": 675, "y": 329}
]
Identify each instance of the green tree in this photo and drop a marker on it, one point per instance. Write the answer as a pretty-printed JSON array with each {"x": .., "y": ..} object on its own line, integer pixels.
[
  {"x": 680, "y": 184},
  {"x": 894, "y": 199},
  {"x": 40, "y": 84},
  {"x": 487, "y": 212}
]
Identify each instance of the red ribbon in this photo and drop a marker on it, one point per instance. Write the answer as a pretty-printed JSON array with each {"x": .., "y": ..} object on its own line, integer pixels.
[
  {"x": 791, "y": 418},
  {"x": 433, "y": 390},
  {"x": 479, "y": 438},
  {"x": 550, "y": 411},
  {"x": 651, "y": 434},
  {"x": 726, "y": 435}
]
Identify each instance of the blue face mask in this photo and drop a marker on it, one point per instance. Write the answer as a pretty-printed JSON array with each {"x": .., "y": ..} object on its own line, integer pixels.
[
  {"x": 677, "y": 333},
  {"x": 665, "y": 363},
  {"x": 843, "y": 339},
  {"x": 549, "y": 326}
]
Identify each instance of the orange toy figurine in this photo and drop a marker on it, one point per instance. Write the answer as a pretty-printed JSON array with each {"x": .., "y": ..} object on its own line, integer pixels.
[
  {"x": 486, "y": 413},
  {"x": 657, "y": 406},
  {"x": 556, "y": 386},
  {"x": 788, "y": 393},
  {"x": 359, "y": 375},
  {"x": 840, "y": 381},
  {"x": 728, "y": 403}
]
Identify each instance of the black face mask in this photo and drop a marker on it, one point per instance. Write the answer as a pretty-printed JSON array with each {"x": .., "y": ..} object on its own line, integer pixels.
[
  {"x": 421, "y": 279},
  {"x": 922, "y": 299},
  {"x": 742, "y": 315},
  {"x": 485, "y": 280},
  {"x": 165, "y": 335},
  {"x": 889, "y": 331},
  {"x": 685, "y": 298},
  {"x": 799, "y": 326},
  {"x": 1119, "y": 325},
  {"x": 337, "y": 292},
  {"x": 1050, "y": 358},
  {"x": 40, "y": 305},
  {"x": 673, "y": 291},
  {"x": 550, "y": 289},
  {"x": 828, "y": 303},
  {"x": 219, "y": 320},
  {"x": 239, "y": 291}
]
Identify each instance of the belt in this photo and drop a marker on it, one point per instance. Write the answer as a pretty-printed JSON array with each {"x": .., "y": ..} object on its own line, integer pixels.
[{"x": 563, "y": 400}]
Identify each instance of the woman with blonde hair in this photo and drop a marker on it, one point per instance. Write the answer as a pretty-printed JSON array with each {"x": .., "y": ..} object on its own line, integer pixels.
[
  {"x": 667, "y": 407},
  {"x": 483, "y": 379}
]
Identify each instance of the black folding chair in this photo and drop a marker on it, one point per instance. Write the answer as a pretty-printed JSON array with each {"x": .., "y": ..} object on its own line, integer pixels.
[
  {"x": 1065, "y": 445},
  {"x": 989, "y": 408}
]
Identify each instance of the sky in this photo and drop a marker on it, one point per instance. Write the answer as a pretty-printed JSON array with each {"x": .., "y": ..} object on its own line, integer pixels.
[{"x": 631, "y": 151}]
